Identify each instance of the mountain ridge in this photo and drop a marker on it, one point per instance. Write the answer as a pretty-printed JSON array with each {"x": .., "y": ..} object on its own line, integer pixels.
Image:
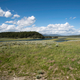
[{"x": 51, "y": 35}]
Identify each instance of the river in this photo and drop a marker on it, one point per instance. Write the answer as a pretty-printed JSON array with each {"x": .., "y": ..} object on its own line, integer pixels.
[{"x": 58, "y": 40}]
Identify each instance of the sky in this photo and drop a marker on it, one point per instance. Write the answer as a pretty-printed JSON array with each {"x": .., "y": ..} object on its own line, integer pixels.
[{"x": 44, "y": 16}]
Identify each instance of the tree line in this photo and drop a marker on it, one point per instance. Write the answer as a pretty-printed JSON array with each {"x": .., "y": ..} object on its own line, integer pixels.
[{"x": 21, "y": 35}]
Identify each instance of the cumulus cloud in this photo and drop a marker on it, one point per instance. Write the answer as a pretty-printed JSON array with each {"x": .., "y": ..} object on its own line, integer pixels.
[
  {"x": 16, "y": 15},
  {"x": 5, "y": 13},
  {"x": 25, "y": 21},
  {"x": 5, "y": 27},
  {"x": 17, "y": 25},
  {"x": 13, "y": 22},
  {"x": 11, "y": 28},
  {"x": 8, "y": 14}
]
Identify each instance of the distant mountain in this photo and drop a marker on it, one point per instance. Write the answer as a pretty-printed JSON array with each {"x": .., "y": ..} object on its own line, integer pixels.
[
  {"x": 61, "y": 35},
  {"x": 51, "y": 35}
]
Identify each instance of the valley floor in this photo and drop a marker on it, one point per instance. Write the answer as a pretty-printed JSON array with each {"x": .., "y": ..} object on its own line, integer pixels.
[{"x": 43, "y": 60}]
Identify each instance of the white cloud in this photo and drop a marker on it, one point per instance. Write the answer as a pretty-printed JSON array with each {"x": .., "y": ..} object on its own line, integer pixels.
[
  {"x": 13, "y": 22},
  {"x": 5, "y": 27},
  {"x": 74, "y": 17},
  {"x": 5, "y": 13},
  {"x": 11, "y": 28},
  {"x": 16, "y": 15},
  {"x": 8, "y": 14},
  {"x": 70, "y": 18},
  {"x": 33, "y": 25},
  {"x": 25, "y": 22},
  {"x": 1, "y": 12},
  {"x": 17, "y": 25}
]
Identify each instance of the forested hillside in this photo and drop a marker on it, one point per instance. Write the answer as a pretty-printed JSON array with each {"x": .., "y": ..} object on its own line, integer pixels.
[{"x": 21, "y": 35}]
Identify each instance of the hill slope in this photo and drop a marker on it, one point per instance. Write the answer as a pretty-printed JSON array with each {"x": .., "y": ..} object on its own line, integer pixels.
[{"x": 21, "y": 35}]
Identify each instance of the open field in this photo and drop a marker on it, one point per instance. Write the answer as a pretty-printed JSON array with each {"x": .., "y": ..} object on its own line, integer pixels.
[
  {"x": 11, "y": 39},
  {"x": 43, "y": 60}
]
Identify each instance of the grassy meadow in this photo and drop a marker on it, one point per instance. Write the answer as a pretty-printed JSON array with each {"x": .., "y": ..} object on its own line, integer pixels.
[
  {"x": 14, "y": 39},
  {"x": 43, "y": 60}
]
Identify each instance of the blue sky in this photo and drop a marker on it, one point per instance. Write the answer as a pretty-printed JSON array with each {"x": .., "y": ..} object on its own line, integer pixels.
[{"x": 44, "y": 16}]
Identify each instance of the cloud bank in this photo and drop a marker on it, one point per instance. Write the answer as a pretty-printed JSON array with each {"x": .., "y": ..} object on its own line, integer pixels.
[
  {"x": 64, "y": 29},
  {"x": 23, "y": 25}
]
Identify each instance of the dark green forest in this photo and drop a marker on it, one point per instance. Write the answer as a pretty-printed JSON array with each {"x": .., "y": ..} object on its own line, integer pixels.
[{"x": 21, "y": 35}]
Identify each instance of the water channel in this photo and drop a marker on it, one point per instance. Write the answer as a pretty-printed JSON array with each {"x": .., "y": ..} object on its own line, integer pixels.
[{"x": 58, "y": 40}]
